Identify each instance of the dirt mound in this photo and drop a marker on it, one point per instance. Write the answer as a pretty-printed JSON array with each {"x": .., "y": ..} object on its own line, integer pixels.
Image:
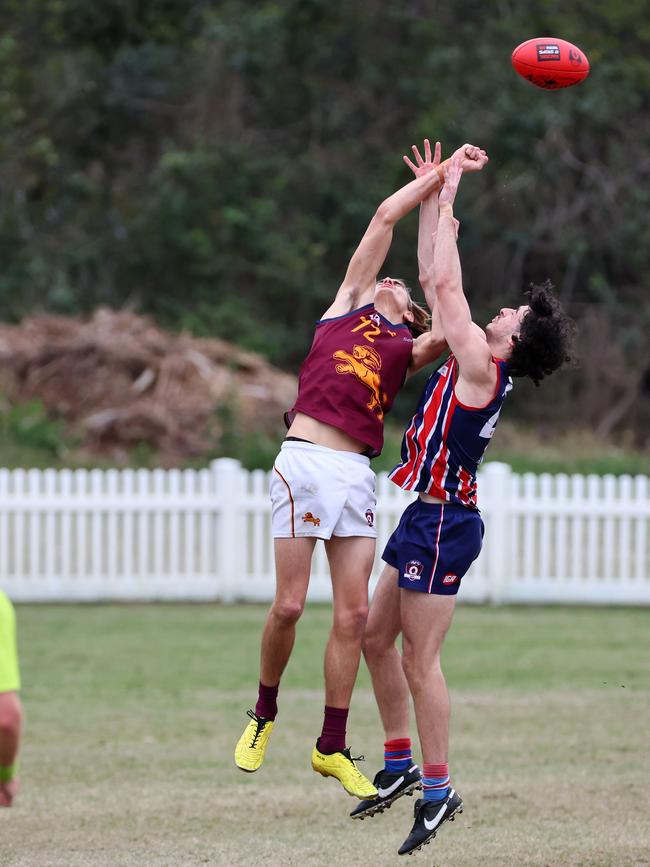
[{"x": 121, "y": 381}]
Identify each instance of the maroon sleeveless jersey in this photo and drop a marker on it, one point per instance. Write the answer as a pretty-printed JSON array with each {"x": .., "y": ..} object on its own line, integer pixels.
[{"x": 355, "y": 367}]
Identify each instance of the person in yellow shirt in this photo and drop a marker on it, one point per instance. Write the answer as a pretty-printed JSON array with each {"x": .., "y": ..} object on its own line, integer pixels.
[{"x": 10, "y": 706}]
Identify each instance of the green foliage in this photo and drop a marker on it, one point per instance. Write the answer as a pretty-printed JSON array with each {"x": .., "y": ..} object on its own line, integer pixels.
[
  {"x": 27, "y": 426},
  {"x": 29, "y": 438},
  {"x": 255, "y": 451},
  {"x": 215, "y": 163},
  {"x": 612, "y": 462}
]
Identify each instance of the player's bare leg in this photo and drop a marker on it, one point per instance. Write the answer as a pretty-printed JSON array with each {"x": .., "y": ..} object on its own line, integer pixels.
[
  {"x": 384, "y": 659},
  {"x": 11, "y": 717},
  {"x": 425, "y": 621},
  {"x": 292, "y": 568},
  {"x": 400, "y": 776},
  {"x": 350, "y": 561}
]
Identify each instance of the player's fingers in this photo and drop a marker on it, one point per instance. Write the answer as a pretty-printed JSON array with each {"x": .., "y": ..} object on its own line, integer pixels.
[
  {"x": 437, "y": 154},
  {"x": 416, "y": 153},
  {"x": 410, "y": 164},
  {"x": 427, "y": 150}
]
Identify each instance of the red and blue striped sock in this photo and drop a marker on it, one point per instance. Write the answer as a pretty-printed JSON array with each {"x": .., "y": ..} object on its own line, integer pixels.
[
  {"x": 397, "y": 755},
  {"x": 435, "y": 781}
]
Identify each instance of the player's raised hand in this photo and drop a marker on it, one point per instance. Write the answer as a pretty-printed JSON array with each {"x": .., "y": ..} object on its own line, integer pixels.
[
  {"x": 424, "y": 166},
  {"x": 453, "y": 172},
  {"x": 473, "y": 158}
]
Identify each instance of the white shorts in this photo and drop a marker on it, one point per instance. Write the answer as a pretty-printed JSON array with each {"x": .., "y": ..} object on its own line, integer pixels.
[{"x": 321, "y": 492}]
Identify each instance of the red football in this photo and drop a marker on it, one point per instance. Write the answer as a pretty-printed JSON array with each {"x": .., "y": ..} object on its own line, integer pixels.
[{"x": 550, "y": 63}]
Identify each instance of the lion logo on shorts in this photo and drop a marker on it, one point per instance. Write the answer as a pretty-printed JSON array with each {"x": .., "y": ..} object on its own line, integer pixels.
[
  {"x": 308, "y": 518},
  {"x": 364, "y": 364}
]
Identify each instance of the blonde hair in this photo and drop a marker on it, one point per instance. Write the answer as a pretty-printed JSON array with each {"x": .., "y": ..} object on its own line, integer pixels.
[{"x": 421, "y": 316}]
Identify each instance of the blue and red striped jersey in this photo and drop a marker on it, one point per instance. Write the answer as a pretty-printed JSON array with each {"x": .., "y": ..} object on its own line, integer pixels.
[{"x": 445, "y": 441}]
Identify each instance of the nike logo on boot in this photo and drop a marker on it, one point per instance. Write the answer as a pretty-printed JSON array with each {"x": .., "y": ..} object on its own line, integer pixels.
[
  {"x": 384, "y": 793},
  {"x": 430, "y": 824}
]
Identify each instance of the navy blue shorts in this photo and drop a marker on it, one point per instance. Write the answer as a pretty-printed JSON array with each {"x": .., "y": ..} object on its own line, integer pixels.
[{"x": 434, "y": 545}]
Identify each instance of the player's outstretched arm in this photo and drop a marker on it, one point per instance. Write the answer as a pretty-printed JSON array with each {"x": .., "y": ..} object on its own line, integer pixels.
[
  {"x": 358, "y": 284},
  {"x": 429, "y": 346},
  {"x": 465, "y": 339}
]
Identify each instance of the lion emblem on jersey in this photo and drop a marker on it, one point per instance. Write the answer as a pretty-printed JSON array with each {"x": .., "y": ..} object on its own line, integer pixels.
[{"x": 364, "y": 364}]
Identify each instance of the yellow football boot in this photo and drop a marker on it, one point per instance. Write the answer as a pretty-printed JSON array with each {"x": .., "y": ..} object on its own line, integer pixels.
[
  {"x": 341, "y": 766},
  {"x": 251, "y": 747}
]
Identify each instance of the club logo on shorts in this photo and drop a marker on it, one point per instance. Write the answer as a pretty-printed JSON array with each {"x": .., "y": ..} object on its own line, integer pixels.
[
  {"x": 308, "y": 518},
  {"x": 450, "y": 578},
  {"x": 413, "y": 570},
  {"x": 370, "y": 517}
]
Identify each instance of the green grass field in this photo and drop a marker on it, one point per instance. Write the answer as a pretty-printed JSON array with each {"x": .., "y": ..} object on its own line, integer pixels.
[{"x": 133, "y": 713}]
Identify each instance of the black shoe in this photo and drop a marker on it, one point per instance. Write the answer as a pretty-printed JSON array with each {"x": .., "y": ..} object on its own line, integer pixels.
[
  {"x": 391, "y": 785},
  {"x": 429, "y": 816}
]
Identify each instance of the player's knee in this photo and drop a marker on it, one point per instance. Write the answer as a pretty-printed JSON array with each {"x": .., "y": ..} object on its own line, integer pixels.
[
  {"x": 411, "y": 666},
  {"x": 286, "y": 612},
  {"x": 352, "y": 622},
  {"x": 375, "y": 644},
  {"x": 418, "y": 670}
]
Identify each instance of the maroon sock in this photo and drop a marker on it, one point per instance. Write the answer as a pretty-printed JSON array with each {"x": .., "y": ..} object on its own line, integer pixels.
[
  {"x": 332, "y": 738},
  {"x": 267, "y": 701}
]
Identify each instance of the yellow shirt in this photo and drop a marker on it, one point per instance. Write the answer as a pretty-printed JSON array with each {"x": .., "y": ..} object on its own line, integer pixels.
[{"x": 9, "y": 675}]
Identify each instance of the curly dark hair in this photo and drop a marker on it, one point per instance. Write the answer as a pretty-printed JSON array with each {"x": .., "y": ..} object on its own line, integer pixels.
[{"x": 545, "y": 341}]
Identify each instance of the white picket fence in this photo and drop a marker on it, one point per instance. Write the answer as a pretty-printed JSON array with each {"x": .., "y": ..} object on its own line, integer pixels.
[{"x": 205, "y": 535}]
